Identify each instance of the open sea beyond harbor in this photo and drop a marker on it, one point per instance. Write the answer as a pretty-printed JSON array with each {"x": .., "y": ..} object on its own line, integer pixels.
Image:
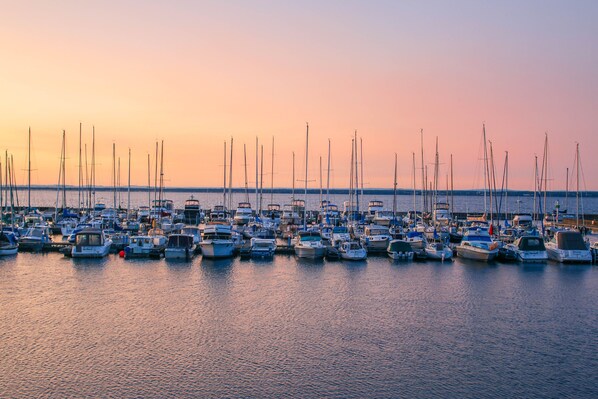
[{"x": 111, "y": 327}]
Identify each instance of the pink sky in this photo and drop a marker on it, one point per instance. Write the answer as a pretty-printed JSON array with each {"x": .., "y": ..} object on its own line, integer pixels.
[{"x": 195, "y": 74}]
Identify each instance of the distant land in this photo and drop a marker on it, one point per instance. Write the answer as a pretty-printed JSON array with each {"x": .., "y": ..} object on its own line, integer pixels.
[{"x": 339, "y": 191}]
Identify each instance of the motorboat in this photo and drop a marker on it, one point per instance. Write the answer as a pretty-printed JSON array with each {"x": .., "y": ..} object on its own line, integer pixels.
[
  {"x": 145, "y": 247},
  {"x": 477, "y": 245},
  {"x": 192, "y": 211},
  {"x": 179, "y": 246},
  {"x": 91, "y": 243},
  {"x": 262, "y": 247},
  {"x": 340, "y": 234},
  {"x": 193, "y": 231},
  {"x": 383, "y": 218},
  {"x": 568, "y": 246},
  {"x": 438, "y": 251},
  {"x": 375, "y": 238},
  {"x": 243, "y": 214},
  {"x": 309, "y": 245},
  {"x": 217, "y": 241},
  {"x": 352, "y": 250},
  {"x": 529, "y": 249},
  {"x": 34, "y": 238},
  {"x": 9, "y": 244},
  {"x": 441, "y": 213},
  {"x": 374, "y": 206},
  {"x": 399, "y": 250}
]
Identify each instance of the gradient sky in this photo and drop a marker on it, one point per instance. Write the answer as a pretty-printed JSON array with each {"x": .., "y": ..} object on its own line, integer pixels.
[{"x": 196, "y": 73}]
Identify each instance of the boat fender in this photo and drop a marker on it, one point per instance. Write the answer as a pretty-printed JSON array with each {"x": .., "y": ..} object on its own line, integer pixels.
[{"x": 122, "y": 253}]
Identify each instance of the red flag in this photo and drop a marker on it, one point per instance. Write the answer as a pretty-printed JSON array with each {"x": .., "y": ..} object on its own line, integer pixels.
[{"x": 491, "y": 230}]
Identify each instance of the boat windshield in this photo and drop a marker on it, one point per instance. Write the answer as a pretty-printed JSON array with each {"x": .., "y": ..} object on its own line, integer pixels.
[{"x": 89, "y": 240}]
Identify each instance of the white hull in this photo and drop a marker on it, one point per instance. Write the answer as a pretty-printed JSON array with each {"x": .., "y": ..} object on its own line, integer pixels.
[
  {"x": 474, "y": 253},
  {"x": 443, "y": 254},
  {"x": 532, "y": 256},
  {"x": 12, "y": 250},
  {"x": 400, "y": 255},
  {"x": 91, "y": 251},
  {"x": 217, "y": 249},
  {"x": 571, "y": 256},
  {"x": 310, "y": 252},
  {"x": 179, "y": 253}
]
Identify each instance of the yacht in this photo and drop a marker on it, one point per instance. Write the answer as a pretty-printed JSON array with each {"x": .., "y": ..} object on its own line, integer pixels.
[
  {"x": 383, "y": 218},
  {"x": 309, "y": 244},
  {"x": 477, "y": 245},
  {"x": 179, "y": 246},
  {"x": 192, "y": 211},
  {"x": 568, "y": 246},
  {"x": 91, "y": 243},
  {"x": 529, "y": 249},
  {"x": 375, "y": 238},
  {"x": 194, "y": 232},
  {"x": 438, "y": 251},
  {"x": 216, "y": 241},
  {"x": 374, "y": 206},
  {"x": 340, "y": 234},
  {"x": 244, "y": 214},
  {"x": 399, "y": 250},
  {"x": 352, "y": 250}
]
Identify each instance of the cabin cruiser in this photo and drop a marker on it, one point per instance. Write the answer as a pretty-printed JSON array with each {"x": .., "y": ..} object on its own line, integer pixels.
[
  {"x": 193, "y": 231},
  {"x": 383, "y": 218},
  {"x": 340, "y": 234},
  {"x": 34, "y": 238},
  {"x": 329, "y": 213},
  {"x": 441, "y": 213},
  {"x": 477, "y": 245},
  {"x": 91, "y": 243},
  {"x": 399, "y": 250},
  {"x": 529, "y": 249},
  {"x": 568, "y": 246},
  {"x": 374, "y": 206},
  {"x": 192, "y": 211},
  {"x": 219, "y": 214},
  {"x": 375, "y": 238},
  {"x": 292, "y": 213},
  {"x": 243, "y": 214},
  {"x": 217, "y": 241},
  {"x": 179, "y": 246},
  {"x": 352, "y": 250},
  {"x": 436, "y": 250},
  {"x": 262, "y": 247},
  {"x": 309, "y": 245},
  {"x": 523, "y": 221},
  {"x": 145, "y": 247}
]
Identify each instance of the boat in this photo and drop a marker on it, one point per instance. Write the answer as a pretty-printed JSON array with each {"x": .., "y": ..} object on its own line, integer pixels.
[
  {"x": 352, "y": 250},
  {"x": 179, "y": 246},
  {"x": 340, "y": 234},
  {"x": 243, "y": 214},
  {"x": 399, "y": 250},
  {"x": 309, "y": 245},
  {"x": 193, "y": 231},
  {"x": 477, "y": 245},
  {"x": 91, "y": 243},
  {"x": 192, "y": 211},
  {"x": 34, "y": 239},
  {"x": 262, "y": 247},
  {"x": 375, "y": 238},
  {"x": 145, "y": 247},
  {"x": 529, "y": 249},
  {"x": 441, "y": 213},
  {"x": 438, "y": 251},
  {"x": 216, "y": 241},
  {"x": 9, "y": 245},
  {"x": 374, "y": 206},
  {"x": 568, "y": 246},
  {"x": 383, "y": 218}
]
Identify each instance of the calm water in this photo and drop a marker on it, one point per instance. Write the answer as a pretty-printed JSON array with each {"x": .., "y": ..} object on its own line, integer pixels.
[{"x": 288, "y": 328}]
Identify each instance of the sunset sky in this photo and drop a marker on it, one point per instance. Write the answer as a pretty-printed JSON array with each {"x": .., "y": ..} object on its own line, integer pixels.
[{"x": 195, "y": 74}]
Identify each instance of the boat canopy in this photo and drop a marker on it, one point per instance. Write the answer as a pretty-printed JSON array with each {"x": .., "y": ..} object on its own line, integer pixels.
[
  {"x": 399, "y": 246},
  {"x": 531, "y": 244},
  {"x": 180, "y": 240},
  {"x": 570, "y": 241}
]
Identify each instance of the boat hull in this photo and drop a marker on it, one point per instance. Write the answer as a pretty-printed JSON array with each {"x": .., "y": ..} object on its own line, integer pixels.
[
  {"x": 214, "y": 249},
  {"x": 477, "y": 253},
  {"x": 90, "y": 251},
  {"x": 569, "y": 256},
  {"x": 179, "y": 253},
  {"x": 310, "y": 252}
]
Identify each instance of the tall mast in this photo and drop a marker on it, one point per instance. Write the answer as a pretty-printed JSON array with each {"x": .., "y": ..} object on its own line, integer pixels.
[
  {"x": 256, "y": 175},
  {"x": 328, "y": 175},
  {"x": 114, "y": 174},
  {"x": 293, "y": 189},
  {"x": 394, "y": 193},
  {"x": 423, "y": 172},
  {"x": 414, "y": 200},
  {"x": 149, "y": 187},
  {"x": 436, "y": 167},
  {"x": 80, "y": 170},
  {"x": 452, "y": 200},
  {"x": 29, "y": 171},
  {"x": 129, "y": 187},
  {"x": 161, "y": 193},
  {"x": 87, "y": 182},
  {"x": 356, "y": 178},
  {"x": 306, "y": 159},
  {"x": 156, "y": 177},
  {"x": 567, "y": 191},
  {"x": 577, "y": 183},
  {"x": 506, "y": 184},
  {"x": 230, "y": 176},
  {"x": 261, "y": 179},
  {"x": 272, "y": 174},
  {"x": 361, "y": 162},
  {"x": 224, "y": 181},
  {"x": 63, "y": 169},
  {"x": 93, "y": 166},
  {"x": 321, "y": 180},
  {"x": 352, "y": 168},
  {"x": 486, "y": 177},
  {"x": 245, "y": 162},
  {"x": 535, "y": 186}
]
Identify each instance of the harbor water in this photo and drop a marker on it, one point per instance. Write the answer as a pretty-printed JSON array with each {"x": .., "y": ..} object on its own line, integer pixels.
[{"x": 290, "y": 328}]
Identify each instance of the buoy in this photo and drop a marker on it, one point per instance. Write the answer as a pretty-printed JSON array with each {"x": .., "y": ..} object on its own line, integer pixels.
[{"x": 121, "y": 254}]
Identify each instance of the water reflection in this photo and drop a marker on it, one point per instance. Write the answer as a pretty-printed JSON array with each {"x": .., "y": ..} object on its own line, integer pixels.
[{"x": 219, "y": 268}]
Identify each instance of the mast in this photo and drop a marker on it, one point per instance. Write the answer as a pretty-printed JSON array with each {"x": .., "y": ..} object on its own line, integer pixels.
[
  {"x": 261, "y": 179},
  {"x": 352, "y": 169},
  {"x": 320, "y": 180},
  {"x": 535, "y": 186},
  {"x": 506, "y": 185},
  {"x": 156, "y": 177},
  {"x": 129, "y": 187},
  {"x": 356, "y": 179},
  {"x": 114, "y": 174},
  {"x": 80, "y": 171},
  {"x": 224, "y": 181},
  {"x": 452, "y": 200},
  {"x": 486, "y": 174},
  {"x": 361, "y": 161},
  {"x": 414, "y": 191},
  {"x": 436, "y": 167},
  {"x": 567, "y": 191},
  {"x": 272, "y": 174},
  {"x": 394, "y": 193},
  {"x": 160, "y": 194},
  {"x": 149, "y": 187},
  {"x": 423, "y": 173},
  {"x": 87, "y": 182},
  {"x": 230, "y": 176},
  {"x": 256, "y": 175},
  {"x": 293, "y": 189},
  {"x": 306, "y": 159},
  {"x": 93, "y": 165},
  {"x": 245, "y": 165},
  {"x": 29, "y": 171},
  {"x": 63, "y": 169},
  {"x": 577, "y": 184},
  {"x": 328, "y": 175}
]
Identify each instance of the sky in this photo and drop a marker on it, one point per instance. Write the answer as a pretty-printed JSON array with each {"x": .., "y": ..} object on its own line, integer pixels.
[{"x": 194, "y": 74}]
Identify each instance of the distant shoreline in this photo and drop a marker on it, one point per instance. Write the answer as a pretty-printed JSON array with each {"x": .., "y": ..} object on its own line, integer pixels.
[{"x": 336, "y": 191}]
